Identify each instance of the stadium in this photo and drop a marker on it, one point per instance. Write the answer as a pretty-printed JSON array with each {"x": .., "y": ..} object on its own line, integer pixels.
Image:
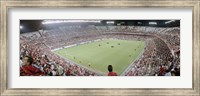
[{"x": 99, "y": 47}]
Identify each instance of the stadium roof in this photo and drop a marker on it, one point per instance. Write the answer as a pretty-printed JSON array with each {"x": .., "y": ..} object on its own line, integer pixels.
[{"x": 35, "y": 25}]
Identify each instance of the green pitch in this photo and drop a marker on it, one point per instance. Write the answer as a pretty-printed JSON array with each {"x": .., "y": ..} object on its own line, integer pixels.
[{"x": 98, "y": 55}]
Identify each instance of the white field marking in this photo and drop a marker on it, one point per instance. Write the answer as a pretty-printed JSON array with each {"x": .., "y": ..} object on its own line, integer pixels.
[{"x": 128, "y": 68}]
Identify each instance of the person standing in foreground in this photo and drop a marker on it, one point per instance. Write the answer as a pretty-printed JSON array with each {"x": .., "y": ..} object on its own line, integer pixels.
[{"x": 111, "y": 73}]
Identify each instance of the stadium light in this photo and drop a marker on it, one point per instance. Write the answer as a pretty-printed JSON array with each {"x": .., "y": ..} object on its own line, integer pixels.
[
  {"x": 110, "y": 22},
  {"x": 139, "y": 22},
  {"x": 70, "y": 21},
  {"x": 152, "y": 23},
  {"x": 169, "y": 21},
  {"x": 21, "y": 27},
  {"x": 118, "y": 24}
]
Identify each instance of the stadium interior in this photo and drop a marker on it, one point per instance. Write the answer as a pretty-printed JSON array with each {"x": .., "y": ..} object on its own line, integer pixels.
[{"x": 39, "y": 38}]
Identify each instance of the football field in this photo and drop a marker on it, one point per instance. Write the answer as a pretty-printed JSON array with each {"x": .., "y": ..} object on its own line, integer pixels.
[{"x": 99, "y": 54}]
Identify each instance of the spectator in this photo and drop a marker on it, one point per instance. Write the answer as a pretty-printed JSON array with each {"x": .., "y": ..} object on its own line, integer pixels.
[
  {"x": 168, "y": 73},
  {"x": 20, "y": 62},
  {"x": 111, "y": 73},
  {"x": 28, "y": 70}
]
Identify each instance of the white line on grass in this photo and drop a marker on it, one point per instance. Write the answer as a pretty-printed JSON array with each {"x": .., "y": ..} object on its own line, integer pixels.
[
  {"x": 96, "y": 71},
  {"x": 128, "y": 68}
]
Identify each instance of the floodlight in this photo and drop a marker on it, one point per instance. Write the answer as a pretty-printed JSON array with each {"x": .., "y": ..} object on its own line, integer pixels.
[
  {"x": 70, "y": 21},
  {"x": 152, "y": 23},
  {"x": 169, "y": 21},
  {"x": 21, "y": 27},
  {"x": 139, "y": 22},
  {"x": 110, "y": 22}
]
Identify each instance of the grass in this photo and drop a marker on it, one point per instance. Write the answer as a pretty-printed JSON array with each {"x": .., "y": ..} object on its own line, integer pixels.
[{"x": 97, "y": 57}]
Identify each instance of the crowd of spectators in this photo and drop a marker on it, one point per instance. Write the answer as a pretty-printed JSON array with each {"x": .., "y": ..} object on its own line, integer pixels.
[
  {"x": 157, "y": 60},
  {"x": 48, "y": 63}
]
